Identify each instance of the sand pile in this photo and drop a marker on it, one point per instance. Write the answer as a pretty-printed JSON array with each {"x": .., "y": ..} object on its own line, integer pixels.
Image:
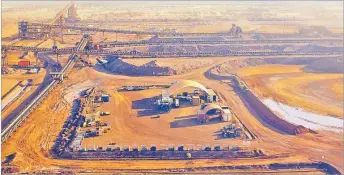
[
  {"x": 29, "y": 56},
  {"x": 321, "y": 48},
  {"x": 152, "y": 63},
  {"x": 118, "y": 66},
  {"x": 180, "y": 65},
  {"x": 327, "y": 65},
  {"x": 315, "y": 31},
  {"x": 233, "y": 65},
  {"x": 157, "y": 66},
  {"x": 312, "y": 64}
]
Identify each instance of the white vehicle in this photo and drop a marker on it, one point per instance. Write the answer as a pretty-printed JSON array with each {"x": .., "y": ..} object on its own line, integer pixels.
[
  {"x": 104, "y": 113},
  {"x": 226, "y": 109},
  {"x": 129, "y": 88},
  {"x": 226, "y": 114},
  {"x": 176, "y": 103},
  {"x": 165, "y": 101},
  {"x": 196, "y": 91},
  {"x": 179, "y": 96},
  {"x": 101, "y": 61}
]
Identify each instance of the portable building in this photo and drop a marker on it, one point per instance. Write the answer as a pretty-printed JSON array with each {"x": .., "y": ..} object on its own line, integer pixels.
[
  {"x": 201, "y": 116},
  {"x": 195, "y": 100},
  {"x": 105, "y": 98},
  {"x": 212, "y": 97}
]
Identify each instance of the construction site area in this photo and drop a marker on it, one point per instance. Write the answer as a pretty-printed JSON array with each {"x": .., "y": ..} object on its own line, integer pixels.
[{"x": 117, "y": 87}]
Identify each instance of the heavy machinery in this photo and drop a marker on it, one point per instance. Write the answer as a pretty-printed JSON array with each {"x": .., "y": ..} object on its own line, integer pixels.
[
  {"x": 231, "y": 131},
  {"x": 135, "y": 88},
  {"x": 165, "y": 103},
  {"x": 101, "y": 61}
]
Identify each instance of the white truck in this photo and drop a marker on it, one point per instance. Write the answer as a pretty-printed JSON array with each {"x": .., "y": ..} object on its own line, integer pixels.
[
  {"x": 176, "y": 103},
  {"x": 104, "y": 113},
  {"x": 226, "y": 114},
  {"x": 129, "y": 88}
]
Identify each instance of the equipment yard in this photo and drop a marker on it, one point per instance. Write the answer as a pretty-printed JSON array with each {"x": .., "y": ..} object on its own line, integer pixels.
[{"x": 108, "y": 88}]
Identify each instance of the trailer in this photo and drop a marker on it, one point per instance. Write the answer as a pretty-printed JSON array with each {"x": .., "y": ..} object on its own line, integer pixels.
[{"x": 104, "y": 113}]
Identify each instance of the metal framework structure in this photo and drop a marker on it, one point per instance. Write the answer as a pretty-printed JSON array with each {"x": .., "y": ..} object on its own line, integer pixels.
[
  {"x": 183, "y": 84},
  {"x": 58, "y": 76},
  {"x": 38, "y": 31},
  {"x": 32, "y": 31}
]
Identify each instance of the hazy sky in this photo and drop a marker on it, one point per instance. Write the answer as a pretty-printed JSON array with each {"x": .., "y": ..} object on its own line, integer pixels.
[{"x": 323, "y": 12}]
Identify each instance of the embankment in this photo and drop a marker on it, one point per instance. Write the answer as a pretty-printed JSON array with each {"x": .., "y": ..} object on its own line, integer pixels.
[{"x": 263, "y": 111}]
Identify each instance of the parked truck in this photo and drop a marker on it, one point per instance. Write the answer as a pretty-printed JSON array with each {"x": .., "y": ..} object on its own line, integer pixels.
[{"x": 104, "y": 113}]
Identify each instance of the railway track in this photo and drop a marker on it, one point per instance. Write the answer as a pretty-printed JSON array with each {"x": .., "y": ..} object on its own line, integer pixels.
[
  {"x": 15, "y": 123},
  {"x": 16, "y": 96}
]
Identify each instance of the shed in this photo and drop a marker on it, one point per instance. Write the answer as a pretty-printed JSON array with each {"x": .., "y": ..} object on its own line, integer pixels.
[
  {"x": 212, "y": 97},
  {"x": 105, "y": 98}
]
